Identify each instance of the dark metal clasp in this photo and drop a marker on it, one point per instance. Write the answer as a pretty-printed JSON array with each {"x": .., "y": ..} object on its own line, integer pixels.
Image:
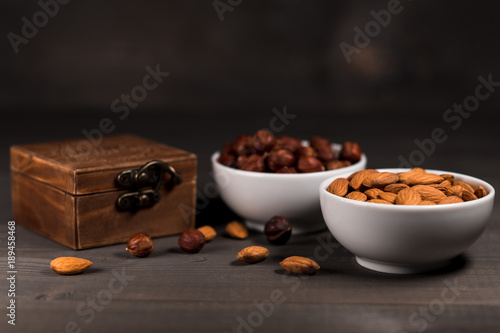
[{"x": 146, "y": 181}]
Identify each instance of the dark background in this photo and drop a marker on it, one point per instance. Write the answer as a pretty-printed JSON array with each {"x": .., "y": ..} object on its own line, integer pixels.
[
  {"x": 264, "y": 54},
  {"x": 227, "y": 76}
]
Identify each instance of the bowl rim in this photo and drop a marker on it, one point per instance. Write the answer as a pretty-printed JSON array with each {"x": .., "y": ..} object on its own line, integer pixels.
[
  {"x": 335, "y": 146},
  {"x": 411, "y": 208}
]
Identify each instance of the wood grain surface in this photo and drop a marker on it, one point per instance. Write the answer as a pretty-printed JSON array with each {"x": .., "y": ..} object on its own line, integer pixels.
[{"x": 211, "y": 291}]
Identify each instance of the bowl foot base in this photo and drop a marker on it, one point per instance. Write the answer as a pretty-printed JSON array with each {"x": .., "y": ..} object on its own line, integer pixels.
[
  {"x": 296, "y": 230},
  {"x": 393, "y": 268}
]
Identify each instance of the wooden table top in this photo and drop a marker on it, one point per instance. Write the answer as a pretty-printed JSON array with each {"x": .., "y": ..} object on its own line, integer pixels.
[{"x": 211, "y": 291}]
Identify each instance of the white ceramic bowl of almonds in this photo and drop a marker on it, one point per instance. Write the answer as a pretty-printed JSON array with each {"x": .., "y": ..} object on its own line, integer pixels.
[
  {"x": 406, "y": 239},
  {"x": 258, "y": 196}
]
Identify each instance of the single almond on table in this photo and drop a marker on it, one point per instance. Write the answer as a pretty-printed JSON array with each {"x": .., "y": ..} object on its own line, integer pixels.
[
  {"x": 373, "y": 193},
  {"x": 408, "y": 196},
  {"x": 299, "y": 265},
  {"x": 339, "y": 186},
  {"x": 237, "y": 230},
  {"x": 380, "y": 179},
  {"x": 253, "y": 254},
  {"x": 428, "y": 192},
  {"x": 450, "y": 200},
  {"x": 480, "y": 192},
  {"x": 70, "y": 265},
  {"x": 208, "y": 231},
  {"x": 423, "y": 179},
  {"x": 356, "y": 195},
  {"x": 395, "y": 188},
  {"x": 468, "y": 195}
]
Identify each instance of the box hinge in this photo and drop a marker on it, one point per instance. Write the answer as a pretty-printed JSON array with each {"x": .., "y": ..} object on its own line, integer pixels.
[{"x": 146, "y": 181}]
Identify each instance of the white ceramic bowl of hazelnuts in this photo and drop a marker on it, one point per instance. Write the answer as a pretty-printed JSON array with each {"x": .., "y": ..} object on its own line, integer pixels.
[
  {"x": 258, "y": 193},
  {"x": 407, "y": 237}
]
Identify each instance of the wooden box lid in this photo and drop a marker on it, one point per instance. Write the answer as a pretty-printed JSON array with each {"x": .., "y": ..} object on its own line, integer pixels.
[{"x": 80, "y": 167}]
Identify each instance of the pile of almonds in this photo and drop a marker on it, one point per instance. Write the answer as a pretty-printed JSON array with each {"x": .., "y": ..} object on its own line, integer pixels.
[
  {"x": 415, "y": 187},
  {"x": 263, "y": 152}
]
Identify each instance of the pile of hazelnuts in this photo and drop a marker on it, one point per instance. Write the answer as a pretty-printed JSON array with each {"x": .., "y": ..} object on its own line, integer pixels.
[{"x": 263, "y": 152}]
